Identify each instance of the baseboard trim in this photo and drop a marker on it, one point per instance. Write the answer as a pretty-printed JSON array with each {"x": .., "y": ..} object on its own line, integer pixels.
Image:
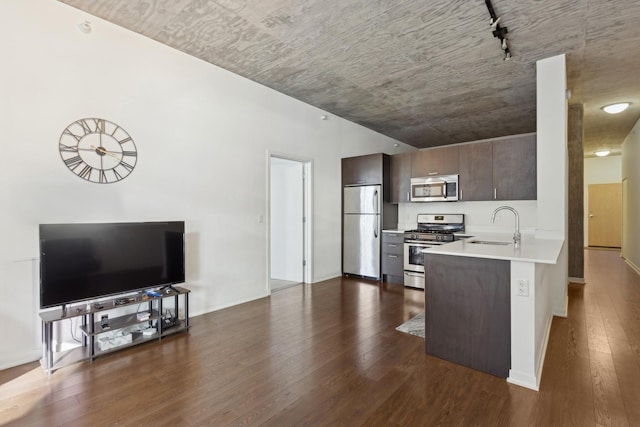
[
  {"x": 20, "y": 359},
  {"x": 562, "y": 311},
  {"x": 523, "y": 380},
  {"x": 632, "y": 265},
  {"x": 577, "y": 280},
  {"x": 323, "y": 279}
]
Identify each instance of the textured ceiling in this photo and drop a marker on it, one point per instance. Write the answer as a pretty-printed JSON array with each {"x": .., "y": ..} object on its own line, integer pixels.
[{"x": 427, "y": 73}]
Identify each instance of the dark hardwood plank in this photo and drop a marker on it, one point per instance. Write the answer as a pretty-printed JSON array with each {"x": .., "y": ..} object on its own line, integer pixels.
[{"x": 329, "y": 354}]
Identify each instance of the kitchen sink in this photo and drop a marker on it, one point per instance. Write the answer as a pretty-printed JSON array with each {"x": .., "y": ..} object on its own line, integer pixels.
[{"x": 490, "y": 242}]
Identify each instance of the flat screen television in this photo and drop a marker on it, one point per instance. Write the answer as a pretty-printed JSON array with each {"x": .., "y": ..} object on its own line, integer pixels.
[{"x": 88, "y": 261}]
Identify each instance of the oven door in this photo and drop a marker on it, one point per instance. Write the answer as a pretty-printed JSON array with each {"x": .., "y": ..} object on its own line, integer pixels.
[{"x": 413, "y": 257}]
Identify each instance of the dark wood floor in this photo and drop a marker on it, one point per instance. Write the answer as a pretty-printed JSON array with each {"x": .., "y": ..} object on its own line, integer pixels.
[{"x": 329, "y": 354}]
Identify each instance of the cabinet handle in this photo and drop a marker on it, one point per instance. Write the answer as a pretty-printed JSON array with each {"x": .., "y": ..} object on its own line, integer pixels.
[
  {"x": 432, "y": 173},
  {"x": 461, "y": 195},
  {"x": 392, "y": 246},
  {"x": 495, "y": 193},
  {"x": 392, "y": 256},
  {"x": 408, "y": 196}
]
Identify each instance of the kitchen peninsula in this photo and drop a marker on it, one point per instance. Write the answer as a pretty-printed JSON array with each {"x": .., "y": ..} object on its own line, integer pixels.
[{"x": 488, "y": 304}]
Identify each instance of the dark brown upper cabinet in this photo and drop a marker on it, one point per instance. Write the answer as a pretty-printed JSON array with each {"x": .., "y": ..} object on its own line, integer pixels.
[
  {"x": 514, "y": 168},
  {"x": 435, "y": 161},
  {"x": 401, "y": 177},
  {"x": 476, "y": 171},
  {"x": 364, "y": 170},
  {"x": 493, "y": 170}
]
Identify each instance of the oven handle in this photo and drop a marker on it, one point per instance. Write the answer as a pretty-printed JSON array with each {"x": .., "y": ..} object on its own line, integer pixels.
[
  {"x": 422, "y": 243},
  {"x": 409, "y": 273}
]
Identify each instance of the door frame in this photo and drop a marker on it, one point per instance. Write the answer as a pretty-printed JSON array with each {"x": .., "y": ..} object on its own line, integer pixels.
[{"x": 307, "y": 210}]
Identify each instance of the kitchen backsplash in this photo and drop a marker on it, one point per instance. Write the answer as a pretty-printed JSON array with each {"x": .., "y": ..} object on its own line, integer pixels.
[{"x": 477, "y": 215}]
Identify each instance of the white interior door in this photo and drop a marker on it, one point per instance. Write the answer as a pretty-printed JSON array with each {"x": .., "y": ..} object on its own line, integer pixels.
[
  {"x": 286, "y": 222},
  {"x": 605, "y": 215}
]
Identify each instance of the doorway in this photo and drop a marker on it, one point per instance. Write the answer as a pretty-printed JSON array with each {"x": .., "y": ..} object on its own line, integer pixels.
[
  {"x": 605, "y": 215},
  {"x": 288, "y": 224}
]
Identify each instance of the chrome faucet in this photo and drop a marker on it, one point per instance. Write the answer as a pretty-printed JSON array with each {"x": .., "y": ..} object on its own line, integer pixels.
[{"x": 516, "y": 234}]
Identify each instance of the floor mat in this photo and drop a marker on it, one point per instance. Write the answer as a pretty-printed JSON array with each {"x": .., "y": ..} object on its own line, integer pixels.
[{"x": 413, "y": 326}]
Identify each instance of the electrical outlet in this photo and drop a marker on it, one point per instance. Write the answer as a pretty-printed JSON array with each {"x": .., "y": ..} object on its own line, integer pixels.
[{"x": 523, "y": 288}]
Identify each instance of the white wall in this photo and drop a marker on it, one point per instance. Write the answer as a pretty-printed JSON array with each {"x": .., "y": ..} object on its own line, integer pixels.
[
  {"x": 531, "y": 317},
  {"x": 202, "y": 135},
  {"x": 602, "y": 170},
  {"x": 631, "y": 186},
  {"x": 477, "y": 215},
  {"x": 599, "y": 170},
  {"x": 552, "y": 160},
  {"x": 286, "y": 237}
]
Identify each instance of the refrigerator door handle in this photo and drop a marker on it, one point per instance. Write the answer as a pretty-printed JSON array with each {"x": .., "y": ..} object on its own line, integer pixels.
[
  {"x": 376, "y": 202},
  {"x": 375, "y": 229}
]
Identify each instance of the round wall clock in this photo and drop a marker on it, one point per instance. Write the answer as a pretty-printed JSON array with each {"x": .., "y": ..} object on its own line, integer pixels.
[{"x": 98, "y": 150}]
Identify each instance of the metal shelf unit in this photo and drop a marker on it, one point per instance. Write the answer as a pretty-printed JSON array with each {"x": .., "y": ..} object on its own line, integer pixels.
[{"x": 91, "y": 328}]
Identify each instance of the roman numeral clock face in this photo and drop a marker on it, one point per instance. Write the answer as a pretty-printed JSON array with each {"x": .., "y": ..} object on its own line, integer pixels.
[{"x": 98, "y": 150}]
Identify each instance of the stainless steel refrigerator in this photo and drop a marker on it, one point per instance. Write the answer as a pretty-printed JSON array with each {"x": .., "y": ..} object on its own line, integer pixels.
[{"x": 361, "y": 230}]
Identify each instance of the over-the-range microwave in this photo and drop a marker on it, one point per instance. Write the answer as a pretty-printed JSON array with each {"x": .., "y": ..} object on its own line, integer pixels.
[{"x": 436, "y": 188}]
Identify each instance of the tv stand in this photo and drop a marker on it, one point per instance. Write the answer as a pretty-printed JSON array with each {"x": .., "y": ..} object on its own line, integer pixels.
[
  {"x": 98, "y": 341},
  {"x": 167, "y": 289}
]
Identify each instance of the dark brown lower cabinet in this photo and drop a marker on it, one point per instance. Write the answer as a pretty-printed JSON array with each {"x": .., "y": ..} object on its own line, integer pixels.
[
  {"x": 393, "y": 257},
  {"x": 467, "y": 312}
]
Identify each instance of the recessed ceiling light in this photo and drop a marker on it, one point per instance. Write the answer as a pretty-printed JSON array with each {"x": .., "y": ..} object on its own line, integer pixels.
[
  {"x": 616, "y": 108},
  {"x": 602, "y": 153}
]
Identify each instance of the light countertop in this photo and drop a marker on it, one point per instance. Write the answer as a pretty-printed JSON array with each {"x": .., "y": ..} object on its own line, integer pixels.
[{"x": 545, "y": 251}]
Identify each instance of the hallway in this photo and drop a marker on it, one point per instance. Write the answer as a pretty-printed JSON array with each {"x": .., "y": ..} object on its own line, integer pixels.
[{"x": 592, "y": 368}]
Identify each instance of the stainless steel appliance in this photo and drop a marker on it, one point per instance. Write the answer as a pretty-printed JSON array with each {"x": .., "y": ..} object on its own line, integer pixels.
[
  {"x": 361, "y": 233},
  {"x": 433, "y": 229},
  {"x": 436, "y": 188}
]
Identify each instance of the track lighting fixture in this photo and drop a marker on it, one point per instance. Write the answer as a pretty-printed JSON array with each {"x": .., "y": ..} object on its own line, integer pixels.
[{"x": 498, "y": 31}]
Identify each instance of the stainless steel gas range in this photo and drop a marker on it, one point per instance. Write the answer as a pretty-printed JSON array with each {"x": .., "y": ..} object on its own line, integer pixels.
[{"x": 433, "y": 230}]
